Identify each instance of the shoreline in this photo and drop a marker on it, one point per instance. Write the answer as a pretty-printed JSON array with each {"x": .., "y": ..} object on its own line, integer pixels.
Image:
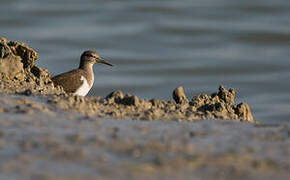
[
  {"x": 48, "y": 134},
  {"x": 40, "y": 141},
  {"x": 19, "y": 75}
]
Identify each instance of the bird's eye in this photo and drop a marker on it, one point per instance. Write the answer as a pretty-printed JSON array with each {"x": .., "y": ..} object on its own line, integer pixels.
[{"x": 90, "y": 55}]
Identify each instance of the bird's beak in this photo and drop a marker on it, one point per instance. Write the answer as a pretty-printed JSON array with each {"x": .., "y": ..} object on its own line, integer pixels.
[{"x": 101, "y": 60}]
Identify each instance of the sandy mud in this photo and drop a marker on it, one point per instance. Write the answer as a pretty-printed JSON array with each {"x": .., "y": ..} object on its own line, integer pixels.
[
  {"x": 48, "y": 134},
  {"x": 20, "y": 75},
  {"x": 217, "y": 106},
  {"x": 40, "y": 142}
]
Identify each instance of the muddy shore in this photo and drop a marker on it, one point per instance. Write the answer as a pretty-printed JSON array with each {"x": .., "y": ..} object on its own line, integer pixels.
[
  {"x": 48, "y": 134},
  {"x": 40, "y": 141},
  {"x": 19, "y": 75}
]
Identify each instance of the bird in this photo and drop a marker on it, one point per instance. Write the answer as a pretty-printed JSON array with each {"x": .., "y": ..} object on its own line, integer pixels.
[{"x": 80, "y": 81}]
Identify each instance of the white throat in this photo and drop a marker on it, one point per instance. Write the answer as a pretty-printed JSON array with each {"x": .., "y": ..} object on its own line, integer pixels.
[
  {"x": 85, "y": 87},
  {"x": 92, "y": 74}
]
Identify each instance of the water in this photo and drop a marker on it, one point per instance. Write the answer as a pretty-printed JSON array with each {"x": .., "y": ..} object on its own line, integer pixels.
[{"x": 158, "y": 45}]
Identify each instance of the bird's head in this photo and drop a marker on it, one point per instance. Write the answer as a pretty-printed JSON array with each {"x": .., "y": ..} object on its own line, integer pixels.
[{"x": 92, "y": 57}]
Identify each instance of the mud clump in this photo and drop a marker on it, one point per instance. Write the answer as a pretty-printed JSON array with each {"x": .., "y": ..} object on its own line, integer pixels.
[
  {"x": 225, "y": 95},
  {"x": 220, "y": 105},
  {"x": 18, "y": 74},
  {"x": 179, "y": 96},
  {"x": 243, "y": 111}
]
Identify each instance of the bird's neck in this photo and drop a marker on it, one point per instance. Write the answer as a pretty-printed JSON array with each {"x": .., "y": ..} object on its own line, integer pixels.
[{"x": 88, "y": 68}]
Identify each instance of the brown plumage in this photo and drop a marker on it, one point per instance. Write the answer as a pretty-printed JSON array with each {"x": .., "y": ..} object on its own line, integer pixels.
[
  {"x": 83, "y": 77},
  {"x": 70, "y": 81}
]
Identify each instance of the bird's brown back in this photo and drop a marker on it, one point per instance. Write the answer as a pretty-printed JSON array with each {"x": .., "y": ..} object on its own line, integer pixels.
[{"x": 70, "y": 81}]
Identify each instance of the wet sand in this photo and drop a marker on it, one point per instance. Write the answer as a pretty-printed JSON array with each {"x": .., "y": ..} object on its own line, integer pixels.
[
  {"x": 48, "y": 134},
  {"x": 39, "y": 141}
]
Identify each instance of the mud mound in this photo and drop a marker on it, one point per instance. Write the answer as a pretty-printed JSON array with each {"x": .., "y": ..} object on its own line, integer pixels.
[
  {"x": 18, "y": 74},
  {"x": 217, "y": 106}
]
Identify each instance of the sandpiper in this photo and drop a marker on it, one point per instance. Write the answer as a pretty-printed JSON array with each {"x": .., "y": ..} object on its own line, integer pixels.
[{"x": 80, "y": 81}]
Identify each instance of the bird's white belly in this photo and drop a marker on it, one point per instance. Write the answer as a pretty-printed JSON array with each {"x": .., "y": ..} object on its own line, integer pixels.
[{"x": 84, "y": 89}]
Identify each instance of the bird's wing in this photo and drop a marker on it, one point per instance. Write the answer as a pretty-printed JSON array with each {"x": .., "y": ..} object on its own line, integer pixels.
[{"x": 70, "y": 81}]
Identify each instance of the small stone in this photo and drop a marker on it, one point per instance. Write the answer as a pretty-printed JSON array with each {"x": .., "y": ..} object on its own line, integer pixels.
[{"x": 179, "y": 96}]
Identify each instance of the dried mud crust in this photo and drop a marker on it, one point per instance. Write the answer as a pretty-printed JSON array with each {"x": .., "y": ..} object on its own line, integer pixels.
[
  {"x": 216, "y": 106},
  {"x": 19, "y": 75}
]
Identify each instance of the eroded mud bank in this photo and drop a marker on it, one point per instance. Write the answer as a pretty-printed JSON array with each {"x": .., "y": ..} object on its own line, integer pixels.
[
  {"x": 216, "y": 106},
  {"x": 48, "y": 134},
  {"x": 20, "y": 76}
]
